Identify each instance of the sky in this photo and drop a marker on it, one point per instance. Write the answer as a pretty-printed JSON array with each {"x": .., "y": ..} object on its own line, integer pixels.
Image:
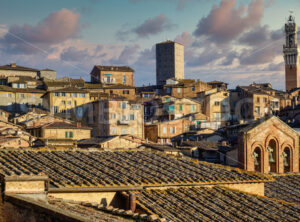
[{"x": 235, "y": 41}]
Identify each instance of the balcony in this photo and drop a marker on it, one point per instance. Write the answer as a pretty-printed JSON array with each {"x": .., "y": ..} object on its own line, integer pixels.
[{"x": 123, "y": 122}]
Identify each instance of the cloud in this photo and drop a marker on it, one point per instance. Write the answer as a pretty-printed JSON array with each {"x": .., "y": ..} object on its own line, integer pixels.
[
  {"x": 256, "y": 36},
  {"x": 74, "y": 54},
  {"x": 153, "y": 26},
  {"x": 179, "y": 6},
  {"x": 226, "y": 22},
  {"x": 127, "y": 55},
  {"x": 56, "y": 28},
  {"x": 185, "y": 39}
]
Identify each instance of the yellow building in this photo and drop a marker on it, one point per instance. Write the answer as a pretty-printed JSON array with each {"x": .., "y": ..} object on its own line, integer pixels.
[
  {"x": 18, "y": 100},
  {"x": 216, "y": 106},
  {"x": 61, "y": 130},
  {"x": 118, "y": 116},
  {"x": 112, "y": 75},
  {"x": 68, "y": 101}
]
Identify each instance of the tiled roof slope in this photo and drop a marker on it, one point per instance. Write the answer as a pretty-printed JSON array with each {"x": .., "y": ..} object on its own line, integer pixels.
[
  {"x": 214, "y": 204},
  {"x": 18, "y": 68},
  {"x": 115, "y": 68},
  {"x": 285, "y": 187},
  {"x": 123, "y": 168},
  {"x": 64, "y": 210}
]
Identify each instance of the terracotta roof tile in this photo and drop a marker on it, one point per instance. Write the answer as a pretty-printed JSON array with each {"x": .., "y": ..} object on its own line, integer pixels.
[{"x": 122, "y": 168}]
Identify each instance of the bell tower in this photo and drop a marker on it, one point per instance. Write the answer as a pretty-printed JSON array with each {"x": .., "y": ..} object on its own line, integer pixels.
[{"x": 291, "y": 55}]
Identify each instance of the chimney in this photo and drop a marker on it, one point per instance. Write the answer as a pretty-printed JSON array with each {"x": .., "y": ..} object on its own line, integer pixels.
[
  {"x": 13, "y": 65},
  {"x": 78, "y": 124},
  {"x": 132, "y": 202},
  {"x": 224, "y": 143}
]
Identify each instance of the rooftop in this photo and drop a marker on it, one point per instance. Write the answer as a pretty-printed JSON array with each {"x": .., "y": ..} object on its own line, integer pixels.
[
  {"x": 285, "y": 187},
  {"x": 13, "y": 66},
  {"x": 214, "y": 204},
  {"x": 88, "y": 169},
  {"x": 114, "y": 68}
]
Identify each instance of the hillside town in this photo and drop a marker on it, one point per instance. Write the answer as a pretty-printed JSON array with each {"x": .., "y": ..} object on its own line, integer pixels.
[{"x": 180, "y": 150}]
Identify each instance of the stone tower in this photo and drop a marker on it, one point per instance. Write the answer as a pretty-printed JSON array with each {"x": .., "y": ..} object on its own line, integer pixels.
[
  {"x": 169, "y": 61},
  {"x": 291, "y": 55}
]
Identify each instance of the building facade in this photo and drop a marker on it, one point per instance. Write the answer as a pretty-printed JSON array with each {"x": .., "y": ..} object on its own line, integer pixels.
[
  {"x": 117, "y": 116},
  {"x": 112, "y": 75},
  {"x": 169, "y": 61},
  {"x": 268, "y": 146}
]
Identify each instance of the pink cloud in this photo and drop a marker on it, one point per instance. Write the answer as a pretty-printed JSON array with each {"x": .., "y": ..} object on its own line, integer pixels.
[
  {"x": 56, "y": 28},
  {"x": 226, "y": 22}
]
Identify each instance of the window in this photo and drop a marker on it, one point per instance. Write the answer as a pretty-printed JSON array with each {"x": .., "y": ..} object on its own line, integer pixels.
[
  {"x": 168, "y": 90},
  {"x": 123, "y": 118},
  {"x": 124, "y": 79},
  {"x": 69, "y": 102},
  {"x": 56, "y": 94},
  {"x": 217, "y": 103},
  {"x": 265, "y": 100},
  {"x": 193, "y": 88},
  {"x": 79, "y": 111},
  {"x": 9, "y": 95},
  {"x": 167, "y": 99},
  {"x": 22, "y": 96},
  {"x": 217, "y": 116},
  {"x": 123, "y": 105},
  {"x": 257, "y": 99},
  {"x": 113, "y": 130},
  {"x": 55, "y": 109},
  {"x": 173, "y": 129},
  {"x": 193, "y": 108},
  {"x": 257, "y": 109},
  {"x": 111, "y": 92},
  {"x": 135, "y": 106},
  {"x": 73, "y": 94},
  {"x": 132, "y": 117},
  {"x": 82, "y": 95},
  {"x": 124, "y": 131},
  {"x": 126, "y": 92},
  {"x": 69, "y": 134},
  {"x": 63, "y": 94},
  {"x": 178, "y": 90},
  {"x": 113, "y": 115},
  {"x": 164, "y": 130},
  {"x": 63, "y": 102},
  {"x": 180, "y": 107}
]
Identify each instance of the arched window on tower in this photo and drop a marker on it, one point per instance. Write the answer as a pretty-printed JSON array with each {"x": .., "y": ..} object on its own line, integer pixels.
[
  {"x": 257, "y": 159},
  {"x": 286, "y": 155},
  {"x": 272, "y": 153}
]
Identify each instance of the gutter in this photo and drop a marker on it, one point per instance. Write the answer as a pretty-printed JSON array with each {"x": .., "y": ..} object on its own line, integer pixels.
[
  {"x": 135, "y": 188},
  {"x": 93, "y": 189}
]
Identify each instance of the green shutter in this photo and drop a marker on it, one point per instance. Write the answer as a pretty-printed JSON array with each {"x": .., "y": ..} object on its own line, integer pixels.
[
  {"x": 66, "y": 134},
  {"x": 71, "y": 134}
]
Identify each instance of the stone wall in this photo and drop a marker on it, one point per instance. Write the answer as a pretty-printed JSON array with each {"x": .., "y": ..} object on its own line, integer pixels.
[
  {"x": 105, "y": 198},
  {"x": 20, "y": 209}
]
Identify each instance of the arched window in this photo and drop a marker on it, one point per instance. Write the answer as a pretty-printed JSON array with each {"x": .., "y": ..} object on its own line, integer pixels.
[
  {"x": 286, "y": 155},
  {"x": 257, "y": 159},
  {"x": 272, "y": 154}
]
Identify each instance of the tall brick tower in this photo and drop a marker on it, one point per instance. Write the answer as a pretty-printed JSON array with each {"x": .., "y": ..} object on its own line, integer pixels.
[{"x": 291, "y": 55}]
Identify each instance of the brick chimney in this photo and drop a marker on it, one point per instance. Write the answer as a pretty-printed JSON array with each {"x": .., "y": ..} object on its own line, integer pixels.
[
  {"x": 224, "y": 143},
  {"x": 78, "y": 124}
]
